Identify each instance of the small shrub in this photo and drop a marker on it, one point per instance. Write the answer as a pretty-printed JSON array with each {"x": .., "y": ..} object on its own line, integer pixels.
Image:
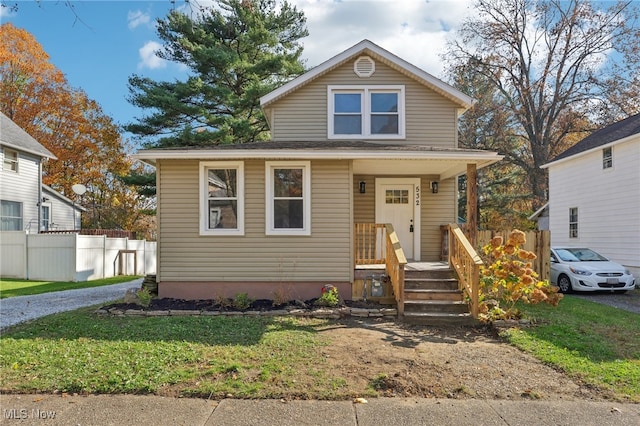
[
  {"x": 281, "y": 296},
  {"x": 144, "y": 297},
  {"x": 329, "y": 297},
  {"x": 507, "y": 278},
  {"x": 242, "y": 301}
]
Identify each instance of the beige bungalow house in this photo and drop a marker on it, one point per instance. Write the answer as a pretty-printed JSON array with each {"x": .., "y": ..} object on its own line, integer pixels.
[{"x": 361, "y": 169}]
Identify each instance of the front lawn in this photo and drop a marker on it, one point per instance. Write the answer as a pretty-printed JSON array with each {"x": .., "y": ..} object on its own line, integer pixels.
[
  {"x": 254, "y": 357},
  {"x": 595, "y": 343},
  {"x": 10, "y": 287}
]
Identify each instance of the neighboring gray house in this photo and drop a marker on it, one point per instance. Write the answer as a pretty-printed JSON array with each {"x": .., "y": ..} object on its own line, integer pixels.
[
  {"x": 26, "y": 204},
  {"x": 541, "y": 216},
  {"x": 594, "y": 194}
]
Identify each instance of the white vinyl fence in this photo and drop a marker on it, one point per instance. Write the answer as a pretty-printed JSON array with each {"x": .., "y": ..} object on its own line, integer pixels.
[{"x": 72, "y": 257}]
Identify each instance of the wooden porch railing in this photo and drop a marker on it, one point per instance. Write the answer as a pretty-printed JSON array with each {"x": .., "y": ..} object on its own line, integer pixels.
[
  {"x": 377, "y": 243},
  {"x": 394, "y": 264},
  {"x": 464, "y": 259}
]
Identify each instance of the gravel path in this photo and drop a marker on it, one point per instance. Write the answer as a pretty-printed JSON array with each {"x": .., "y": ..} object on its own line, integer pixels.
[
  {"x": 14, "y": 310},
  {"x": 629, "y": 301}
]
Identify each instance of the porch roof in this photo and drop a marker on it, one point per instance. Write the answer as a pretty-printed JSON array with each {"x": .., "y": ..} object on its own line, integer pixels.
[{"x": 366, "y": 156}]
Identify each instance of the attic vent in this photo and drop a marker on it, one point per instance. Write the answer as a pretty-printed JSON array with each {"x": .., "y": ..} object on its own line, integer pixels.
[{"x": 364, "y": 66}]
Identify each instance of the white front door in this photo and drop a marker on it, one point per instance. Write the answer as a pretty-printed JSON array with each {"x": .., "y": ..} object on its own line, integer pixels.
[{"x": 398, "y": 203}]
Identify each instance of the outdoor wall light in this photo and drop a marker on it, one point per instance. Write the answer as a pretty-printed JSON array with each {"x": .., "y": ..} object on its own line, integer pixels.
[
  {"x": 434, "y": 187},
  {"x": 363, "y": 187}
]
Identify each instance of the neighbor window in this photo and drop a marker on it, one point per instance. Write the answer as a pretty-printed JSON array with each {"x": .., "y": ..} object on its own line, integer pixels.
[
  {"x": 372, "y": 112},
  {"x": 45, "y": 218},
  {"x": 573, "y": 222},
  {"x": 10, "y": 216},
  {"x": 288, "y": 198},
  {"x": 222, "y": 198},
  {"x": 607, "y": 158},
  {"x": 10, "y": 160}
]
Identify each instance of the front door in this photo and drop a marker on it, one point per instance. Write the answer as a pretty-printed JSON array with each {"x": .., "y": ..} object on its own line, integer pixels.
[{"x": 397, "y": 203}]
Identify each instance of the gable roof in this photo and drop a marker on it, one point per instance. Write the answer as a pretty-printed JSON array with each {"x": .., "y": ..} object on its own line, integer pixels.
[
  {"x": 366, "y": 47},
  {"x": 15, "y": 137},
  {"x": 52, "y": 192},
  {"x": 615, "y": 132}
]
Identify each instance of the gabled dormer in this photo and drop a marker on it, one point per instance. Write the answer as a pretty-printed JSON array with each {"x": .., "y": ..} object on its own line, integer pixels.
[{"x": 366, "y": 93}]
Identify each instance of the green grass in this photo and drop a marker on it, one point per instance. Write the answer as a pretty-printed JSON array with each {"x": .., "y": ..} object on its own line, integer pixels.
[
  {"x": 13, "y": 287},
  {"x": 248, "y": 357},
  {"x": 597, "y": 344}
]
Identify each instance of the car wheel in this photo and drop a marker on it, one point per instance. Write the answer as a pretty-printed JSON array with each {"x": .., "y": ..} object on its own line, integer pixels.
[{"x": 565, "y": 284}]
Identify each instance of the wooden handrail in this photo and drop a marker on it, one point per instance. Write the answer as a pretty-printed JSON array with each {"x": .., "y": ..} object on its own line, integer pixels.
[
  {"x": 394, "y": 265},
  {"x": 464, "y": 259}
]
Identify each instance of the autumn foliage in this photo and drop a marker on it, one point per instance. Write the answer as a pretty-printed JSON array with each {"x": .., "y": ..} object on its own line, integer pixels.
[
  {"x": 508, "y": 278},
  {"x": 86, "y": 142}
]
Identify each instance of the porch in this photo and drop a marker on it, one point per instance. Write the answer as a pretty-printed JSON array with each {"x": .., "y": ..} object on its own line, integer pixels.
[{"x": 427, "y": 292}]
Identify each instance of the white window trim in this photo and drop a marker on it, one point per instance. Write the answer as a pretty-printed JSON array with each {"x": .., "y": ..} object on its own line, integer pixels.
[
  {"x": 607, "y": 162},
  {"x": 306, "y": 198},
  {"x": 204, "y": 197},
  {"x": 10, "y": 164},
  {"x": 366, "y": 110}
]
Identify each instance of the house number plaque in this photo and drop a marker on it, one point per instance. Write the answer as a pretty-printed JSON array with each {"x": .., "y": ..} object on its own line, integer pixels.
[{"x": 417, "y": 195}]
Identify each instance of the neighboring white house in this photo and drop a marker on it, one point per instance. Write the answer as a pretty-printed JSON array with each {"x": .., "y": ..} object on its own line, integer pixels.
[
  {"x": 58, "y": 212},
  {"x": 26, "y": 204},
  {"x": 594, "y": 194}
]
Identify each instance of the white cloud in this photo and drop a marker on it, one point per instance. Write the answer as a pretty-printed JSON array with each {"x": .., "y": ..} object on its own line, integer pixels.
[
  {"x": 415, "y": 30},
  {"x": 137, "y": 18},
  {"x": 148, "y": 57}
]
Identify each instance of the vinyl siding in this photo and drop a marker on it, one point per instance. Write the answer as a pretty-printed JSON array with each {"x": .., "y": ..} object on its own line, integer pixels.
[
  {"x": 302, "y": 115},
  {"x": 186, "y": 256},
  {"x": 22, "y": 187},
  {"x": 608, "y": 202},
  {"x": 436, "y": 209}
]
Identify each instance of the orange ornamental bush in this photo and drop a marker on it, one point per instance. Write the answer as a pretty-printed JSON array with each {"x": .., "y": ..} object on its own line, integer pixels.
[{"x": 508, "y": 277}]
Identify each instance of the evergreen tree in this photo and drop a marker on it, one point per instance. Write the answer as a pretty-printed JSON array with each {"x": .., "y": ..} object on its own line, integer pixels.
[{"x": 236, "y": 51}]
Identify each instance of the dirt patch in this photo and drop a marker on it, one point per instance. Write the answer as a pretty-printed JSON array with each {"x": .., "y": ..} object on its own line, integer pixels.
[{"x": 405, "y": 360}]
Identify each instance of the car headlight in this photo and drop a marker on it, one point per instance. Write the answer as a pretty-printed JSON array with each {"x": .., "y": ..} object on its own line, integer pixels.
[{"x": 579, "y": 271}]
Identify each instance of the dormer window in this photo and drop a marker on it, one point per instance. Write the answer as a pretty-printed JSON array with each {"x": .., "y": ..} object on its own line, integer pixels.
[{"x": 372, "y": 112}]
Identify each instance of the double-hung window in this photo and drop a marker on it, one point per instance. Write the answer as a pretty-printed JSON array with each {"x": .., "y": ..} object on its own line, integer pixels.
[
  {"x": 288, "y": 198},
  {"x": 607, "y": 158},
  {"x": 573, "y": 222},
  {"x": 373, "y": 112},
  {"x": 10, "y": 160},
  {"x": 221, "y": 198},
  {"x": 10, "y": 216}
]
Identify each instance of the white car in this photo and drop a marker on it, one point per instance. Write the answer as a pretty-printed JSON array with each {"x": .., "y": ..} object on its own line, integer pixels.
[{"x": 582, "y": 269}]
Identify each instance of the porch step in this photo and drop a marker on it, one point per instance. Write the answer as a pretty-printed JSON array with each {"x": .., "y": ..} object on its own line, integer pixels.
[
  {"x": 435, "y": 306},
  {"x": 432, "y": 297},
  {"x": 432, "y": 294}
]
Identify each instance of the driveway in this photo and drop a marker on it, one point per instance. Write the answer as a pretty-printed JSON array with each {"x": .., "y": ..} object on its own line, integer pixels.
[
  {"x": 629, "y": 301},
  {"x": 14, "y": 310}
]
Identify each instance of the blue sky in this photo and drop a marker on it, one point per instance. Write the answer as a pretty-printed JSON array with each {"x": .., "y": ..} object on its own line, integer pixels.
[{"x": 99, "y": 44}]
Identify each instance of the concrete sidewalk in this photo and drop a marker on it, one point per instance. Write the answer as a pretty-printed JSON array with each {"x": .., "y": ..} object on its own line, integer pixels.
[{"x": 159, "y": 411}]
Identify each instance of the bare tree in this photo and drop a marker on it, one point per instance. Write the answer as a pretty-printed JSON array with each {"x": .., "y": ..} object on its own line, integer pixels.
[{"x": 556, "y": 65}]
